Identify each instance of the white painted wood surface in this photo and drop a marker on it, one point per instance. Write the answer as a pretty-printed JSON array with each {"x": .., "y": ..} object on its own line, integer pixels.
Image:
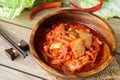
[
  {"x": 9, "y": 74},
  {"x": 20, "y": 28}
]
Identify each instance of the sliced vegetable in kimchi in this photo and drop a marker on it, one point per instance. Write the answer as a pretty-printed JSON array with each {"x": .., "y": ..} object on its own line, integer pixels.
[{"x": 70, "y": 47}]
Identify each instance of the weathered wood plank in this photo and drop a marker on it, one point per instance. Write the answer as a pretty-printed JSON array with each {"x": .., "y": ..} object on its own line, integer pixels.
[
  {"x": 9, "y": 74},
  {"x": 20, "y": 28},
  {"x": 115, "y": 24},
  {"x": 28, "y": 64},
  {"x": 23, "y": 18}
]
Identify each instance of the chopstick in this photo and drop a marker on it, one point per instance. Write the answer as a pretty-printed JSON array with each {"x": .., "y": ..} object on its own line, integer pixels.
[
  {"x": 13, "y": 44},
  {"x": 23, "y": 72}
]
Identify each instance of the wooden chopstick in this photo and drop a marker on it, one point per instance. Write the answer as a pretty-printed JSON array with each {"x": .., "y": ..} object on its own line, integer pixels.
[{"x": 13, "y": 44}]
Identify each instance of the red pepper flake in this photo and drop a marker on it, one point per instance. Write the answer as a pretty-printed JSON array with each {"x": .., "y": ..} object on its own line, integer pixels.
[
  {"x": 44, "y": 6},
  {"x": 92, "y": 9}
]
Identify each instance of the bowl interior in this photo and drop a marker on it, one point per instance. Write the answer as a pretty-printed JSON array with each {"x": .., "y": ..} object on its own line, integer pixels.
[{"x": 90, "y": 20}]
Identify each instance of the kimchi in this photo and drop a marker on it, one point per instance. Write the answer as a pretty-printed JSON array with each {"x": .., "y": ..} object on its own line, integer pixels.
[{"x": 71, "y": 47}]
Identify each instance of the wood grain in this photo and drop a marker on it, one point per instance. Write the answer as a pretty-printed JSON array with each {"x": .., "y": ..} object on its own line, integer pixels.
[
  {"x": 28, "y": 64},
  {"x": 9, "y": 74},
  {"x": 23, "y": 18},
  {"x": 20, "y": 28},
  {"x": 115, "y": 24},
  {"x": 78, "y": 17}
]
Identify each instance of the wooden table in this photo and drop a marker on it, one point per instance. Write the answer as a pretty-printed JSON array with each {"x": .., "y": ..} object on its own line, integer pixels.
[{"x": 27, "y": 69}]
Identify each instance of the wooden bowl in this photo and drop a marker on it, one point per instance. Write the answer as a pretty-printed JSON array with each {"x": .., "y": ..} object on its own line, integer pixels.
[{"x": 89, "y": 20}]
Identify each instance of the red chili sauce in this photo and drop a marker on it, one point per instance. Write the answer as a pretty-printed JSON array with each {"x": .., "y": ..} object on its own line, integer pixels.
[{"x": 72, "y": 47}]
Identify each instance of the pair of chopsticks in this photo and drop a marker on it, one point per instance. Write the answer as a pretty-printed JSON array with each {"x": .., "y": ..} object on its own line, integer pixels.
[{"x": 13, "y": 44}]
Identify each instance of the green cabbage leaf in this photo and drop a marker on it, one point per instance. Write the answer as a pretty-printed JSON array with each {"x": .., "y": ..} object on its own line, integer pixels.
[
  {"x": 110, "y": 8},
  {"x": 12, "y": 8}
]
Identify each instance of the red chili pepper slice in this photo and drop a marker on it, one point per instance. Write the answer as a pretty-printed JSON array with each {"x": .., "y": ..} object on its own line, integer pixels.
[
  {"x": 44, "y": 6},
  {"x": 93, "y": 9}
]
